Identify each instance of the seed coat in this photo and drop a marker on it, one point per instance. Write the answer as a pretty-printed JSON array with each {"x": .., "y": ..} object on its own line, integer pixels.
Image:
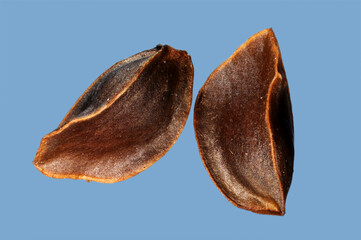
[
  {"x": 244, "y": 126},
  {"x": 124, "y": 122}
]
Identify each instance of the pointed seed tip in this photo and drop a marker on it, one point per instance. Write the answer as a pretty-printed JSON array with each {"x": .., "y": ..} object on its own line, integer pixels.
[{"x": 159, "y": 46}]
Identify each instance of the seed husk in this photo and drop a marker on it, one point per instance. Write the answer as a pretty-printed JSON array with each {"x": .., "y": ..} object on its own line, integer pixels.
[
  {"x": 244, "y": 126},
  {"x": 124, "y": 122}
]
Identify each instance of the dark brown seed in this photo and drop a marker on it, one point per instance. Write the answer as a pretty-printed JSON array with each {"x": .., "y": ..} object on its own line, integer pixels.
[
  {"x": 124, "y": 122},
  {"x": 244, "y": 127}
]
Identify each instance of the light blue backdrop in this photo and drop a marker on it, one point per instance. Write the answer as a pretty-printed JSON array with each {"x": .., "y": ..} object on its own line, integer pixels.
[{"x": 51, "y": 52}]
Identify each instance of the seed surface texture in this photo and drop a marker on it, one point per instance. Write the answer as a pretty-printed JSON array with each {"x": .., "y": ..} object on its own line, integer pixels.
[
  {"x": 244, "y": 126},
  {"x": 124, "y": 122}
]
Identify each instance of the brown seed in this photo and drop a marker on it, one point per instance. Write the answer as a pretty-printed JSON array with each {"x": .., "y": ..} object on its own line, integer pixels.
[
  {"x": 244, "y": 127},
  {"x": 124, "y": 122}
]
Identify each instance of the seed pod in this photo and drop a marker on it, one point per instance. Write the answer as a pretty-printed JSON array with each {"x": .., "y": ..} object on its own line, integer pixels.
[
  {"x": 244, "y": 127},
  {"x": 124, "y": 122}
]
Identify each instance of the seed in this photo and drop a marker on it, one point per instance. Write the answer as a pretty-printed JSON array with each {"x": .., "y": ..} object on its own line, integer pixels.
[
  {"x": 244, "y": 127},
  {"x": 124, "y": 122}
]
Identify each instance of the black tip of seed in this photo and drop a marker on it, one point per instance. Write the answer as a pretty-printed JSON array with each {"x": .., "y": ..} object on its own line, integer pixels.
[{"x": 159, "y": 46}]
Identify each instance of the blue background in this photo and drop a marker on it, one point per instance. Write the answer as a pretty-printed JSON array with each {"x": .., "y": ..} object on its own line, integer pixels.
[{"x": 51, "y": 52}]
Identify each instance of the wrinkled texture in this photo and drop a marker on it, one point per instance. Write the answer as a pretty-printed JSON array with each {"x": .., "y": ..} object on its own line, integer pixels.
[
  {"x": 244, "y": 127},
  {"x": 124, "y": 122}
]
